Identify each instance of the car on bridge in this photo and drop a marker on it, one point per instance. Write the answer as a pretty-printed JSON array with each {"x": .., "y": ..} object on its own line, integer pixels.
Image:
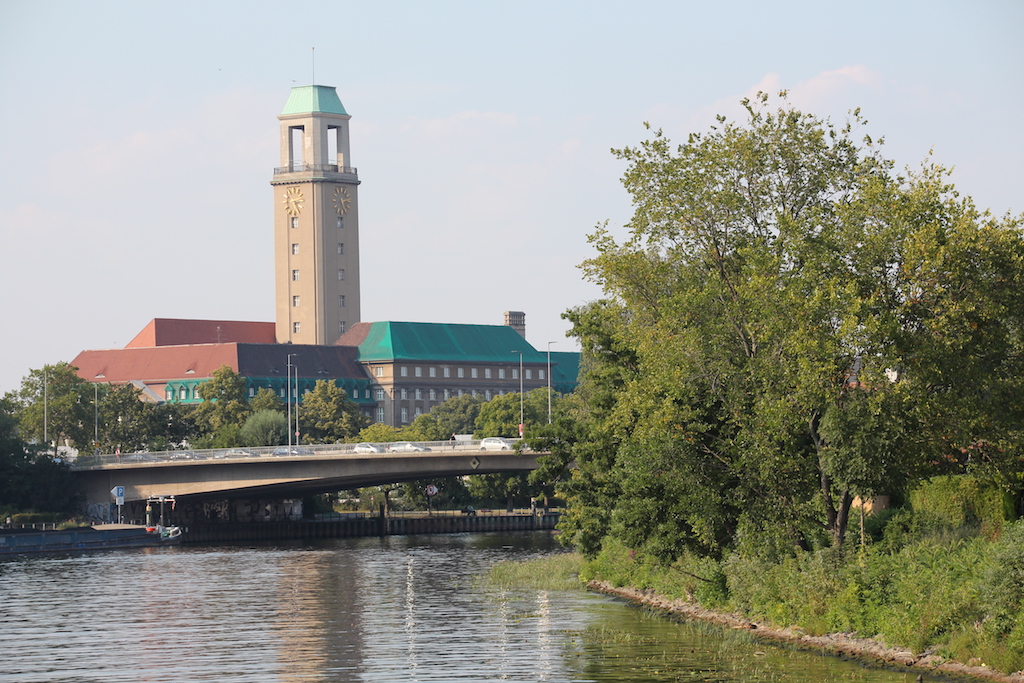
[
  {"x": 294, "y": 450},
  {"x": 368, "y": 448},
  {"x": 496, "y": 443},
  {"x": 237, "y": 453},
  {"x": 406, "y": 447},
  {"x": 185, "y": 455}
]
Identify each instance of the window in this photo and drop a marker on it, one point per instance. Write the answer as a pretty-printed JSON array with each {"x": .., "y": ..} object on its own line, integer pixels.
[
  {"x": 341, "y": 301},
  {"x": 515, "y": 373},
  {"x": 341, "y": 327},
  {"x": 540, "y": 374},
  {"x": 182, "y": 394},
  {"x": 295, "y": 275},
  {"x": 501, "y": 373},
  {"x": 378, "y": 371},
  {"x": 529, "y": 373},
  {"x": 403, "y": 371},
  {"x": 405, "y": 414},
  {"x": 447, "y": 394},
  {"x": 168, "y": 393},
  {"x": 380, "y": 394},
  {"x": 341, "y": 273},
  {"x": 295, "y": 248},
  {"x": 295, "y": 301},
  {"x": 474, "y": 393},
  {"x": 488, "y": 394},
  {"x": 419, "y": 411},
  {"x": 433, "y": 372},
  {"x": 295, "y": 221},
  {"x": 462, "y": 372},
  {"x": 487, "y": 373},
  {"x": 296, "y": 328},
  {"x": 405, "y": 393},
  {"x": 418, "y": 371},
  {"x": 419, "y": 394},
  {"x": 447, "y": 372},
  {"x": 472, "y": 373},
  {"x": 341, "y": 247},
  {"x": 380, "y": 411},
  {"x": 433, "y": 394},
  {"x": 341, "y": 222},
  {"x": 461, "y": 392},
  {"x": 367, "y": 393},
  {"x": 355, "y": 394}
]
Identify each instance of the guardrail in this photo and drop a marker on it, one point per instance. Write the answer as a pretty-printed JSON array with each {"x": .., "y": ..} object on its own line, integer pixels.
[{"x": 295, "y": 451}]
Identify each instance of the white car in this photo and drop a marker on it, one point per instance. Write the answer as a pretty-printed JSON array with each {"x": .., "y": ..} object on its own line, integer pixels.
[
  {"x": 368, "y": 448},
  {"x": 406, "y": 447},
  {"x": 496, "y": 443}
]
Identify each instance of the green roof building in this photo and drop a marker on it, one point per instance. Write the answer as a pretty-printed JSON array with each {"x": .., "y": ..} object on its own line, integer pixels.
[{"x": 416, "y": 366}]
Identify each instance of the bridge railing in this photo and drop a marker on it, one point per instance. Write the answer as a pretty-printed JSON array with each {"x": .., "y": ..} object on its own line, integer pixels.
[{"x": 212, "y": 455}]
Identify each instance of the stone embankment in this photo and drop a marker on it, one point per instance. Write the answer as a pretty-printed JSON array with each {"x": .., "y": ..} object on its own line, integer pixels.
[{"x": 867, "y": 650}]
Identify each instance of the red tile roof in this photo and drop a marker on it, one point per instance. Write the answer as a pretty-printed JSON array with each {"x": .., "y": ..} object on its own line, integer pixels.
[
  {"x": 155, "y": 364},
  {"x": 177, "y": 331}
]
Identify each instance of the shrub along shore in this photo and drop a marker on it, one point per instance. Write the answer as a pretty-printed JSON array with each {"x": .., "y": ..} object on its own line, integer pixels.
[
  {"x": 918, "y": 591},
  {"x": 932, "y": 590}
]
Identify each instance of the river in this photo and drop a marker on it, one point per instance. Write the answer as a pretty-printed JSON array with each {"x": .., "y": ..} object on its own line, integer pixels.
[{"x": 358, "y": 609}]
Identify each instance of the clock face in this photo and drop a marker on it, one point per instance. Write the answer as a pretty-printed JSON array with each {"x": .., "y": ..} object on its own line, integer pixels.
[
  {"x": 293, "y": 201},
  {"x": 342, "y": 200}
]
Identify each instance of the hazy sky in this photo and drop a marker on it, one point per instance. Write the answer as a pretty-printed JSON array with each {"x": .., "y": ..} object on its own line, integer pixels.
[{"x": 138, "y": 140}]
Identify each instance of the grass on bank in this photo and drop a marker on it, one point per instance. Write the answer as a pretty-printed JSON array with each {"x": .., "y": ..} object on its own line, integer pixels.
[
  {"x": 948, "y": 591},
  {"x": 553, "y": 572}
]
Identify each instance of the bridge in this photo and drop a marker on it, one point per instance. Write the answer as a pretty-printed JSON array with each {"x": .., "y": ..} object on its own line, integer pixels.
[{"x": 265, "y": 477}]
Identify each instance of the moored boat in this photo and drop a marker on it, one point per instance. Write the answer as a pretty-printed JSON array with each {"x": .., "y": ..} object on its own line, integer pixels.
[{"x": 98, "y": 537}]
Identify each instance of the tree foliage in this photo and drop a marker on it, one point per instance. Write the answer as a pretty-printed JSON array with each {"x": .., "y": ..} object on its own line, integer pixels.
[
  {"x": 265, "y": 428},
  {"x": 788, "y": 325},
  {"x": 328, "y": 415},
  {"x": 31, "y": 479}
]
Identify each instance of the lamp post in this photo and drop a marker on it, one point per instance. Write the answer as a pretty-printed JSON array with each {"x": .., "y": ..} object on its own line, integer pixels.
[
  {"x": 46, "y": 411},
  {"x": 521, "y": 426},
  {"x": 288, "y": 397},
  {"x": 549, "y": 379}
]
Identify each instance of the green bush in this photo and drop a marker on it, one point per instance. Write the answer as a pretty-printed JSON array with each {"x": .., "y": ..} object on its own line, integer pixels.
[{"x": 962, "y": 500}]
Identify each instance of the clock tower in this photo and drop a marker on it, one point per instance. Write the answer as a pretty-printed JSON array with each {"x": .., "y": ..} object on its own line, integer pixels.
[{"x": 316, "y": 220}]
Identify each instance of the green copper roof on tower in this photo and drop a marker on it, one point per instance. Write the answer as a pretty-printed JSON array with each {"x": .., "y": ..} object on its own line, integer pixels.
[{"x": 314, "y": 99}]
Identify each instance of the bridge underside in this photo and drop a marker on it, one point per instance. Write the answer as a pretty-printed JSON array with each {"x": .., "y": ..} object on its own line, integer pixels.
[{"x": 288, "y": 477}]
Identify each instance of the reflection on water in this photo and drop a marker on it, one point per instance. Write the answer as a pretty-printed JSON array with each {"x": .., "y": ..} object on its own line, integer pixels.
[{"x": 392, "y": 609}]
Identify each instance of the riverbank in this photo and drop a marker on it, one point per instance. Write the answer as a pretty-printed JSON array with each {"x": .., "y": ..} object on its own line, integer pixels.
[{"x": 867, "y": 650}]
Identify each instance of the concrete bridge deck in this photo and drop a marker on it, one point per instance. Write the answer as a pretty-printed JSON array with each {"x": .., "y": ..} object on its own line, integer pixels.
[{"x": 314, "y": 469}]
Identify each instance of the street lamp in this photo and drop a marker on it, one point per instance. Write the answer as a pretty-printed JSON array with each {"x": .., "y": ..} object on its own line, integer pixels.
[
  {"x": 288, "y": 397},
  {"x": 549, "y": 379},
  {"x": 521, "y": 426}
]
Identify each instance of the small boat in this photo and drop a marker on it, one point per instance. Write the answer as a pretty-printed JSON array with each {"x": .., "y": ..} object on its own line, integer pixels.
[{"x": 98, "y": 537}]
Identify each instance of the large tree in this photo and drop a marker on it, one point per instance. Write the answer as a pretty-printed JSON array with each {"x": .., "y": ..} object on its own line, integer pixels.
[
  {"x": 57, "y": 406},
  {"x": 788, "y": 325},
  {"x": 224, "y": 409},
  {"x": 328, "y": 415}
]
